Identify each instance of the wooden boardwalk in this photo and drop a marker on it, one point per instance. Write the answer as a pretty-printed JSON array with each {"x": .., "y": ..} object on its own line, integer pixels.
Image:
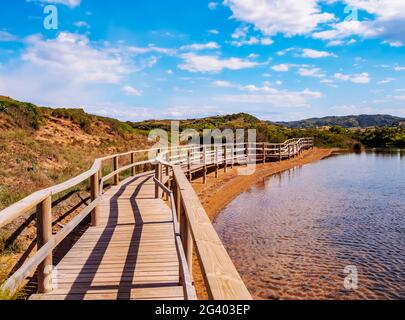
[
  {"x": 145, "y": 230},
  {"x": 131, "y": 254}
]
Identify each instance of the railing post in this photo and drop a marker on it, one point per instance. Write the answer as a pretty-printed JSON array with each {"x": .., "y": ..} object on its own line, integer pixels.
[
  {"x": 117, "y": 176},
  {"x": 189, "y": 249},
  {"x": 205, "y": 164},
  {"x": 225, "y": 158},
  {"x": 233, "y": 156},
  {"x": 44, "y": 233},
  {"x": 177, "y": 195},
  {"x": 95, "y": 193},
  {"x": 264, "y": 153},
  {"x": 189, "y": 165},
  {"x": 133, "y": 169},
  {"x": 157, "y": 176},
  {"x": 216, "y": 161},
  {"x": 279, "y": 153}
]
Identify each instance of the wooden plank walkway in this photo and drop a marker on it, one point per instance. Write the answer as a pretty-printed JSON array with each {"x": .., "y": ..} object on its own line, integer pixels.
[{"x": 130, "y": 255}]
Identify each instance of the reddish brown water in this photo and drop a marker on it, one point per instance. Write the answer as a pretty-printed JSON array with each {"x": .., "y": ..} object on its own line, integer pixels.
[{"x": 292, "y": 236}]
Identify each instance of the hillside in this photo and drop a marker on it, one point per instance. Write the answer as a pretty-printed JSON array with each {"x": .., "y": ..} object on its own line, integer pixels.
[
  {"x": 42, "y": 146},
  {"x": 361, "y": 121}
]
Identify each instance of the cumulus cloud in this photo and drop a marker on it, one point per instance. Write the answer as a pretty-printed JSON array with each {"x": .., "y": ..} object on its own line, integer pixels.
[
  {"x": 69, "y": 70},
  {"x": 281, "y": 67},
  {"x": 289, "y": 17},
  {"x": 311, "y": 72},
  {"x": 315, "y": 54},
  {"x": 213, "y": 64},
  {"x": 222, "y": 84},
  {"x": 72, "y": 54},
  {"x": 200, "y": 46},
  {"x": 387, "y": 22},
  {"x": 132, "y": 91},
  {"x": 361, "y": 78}
]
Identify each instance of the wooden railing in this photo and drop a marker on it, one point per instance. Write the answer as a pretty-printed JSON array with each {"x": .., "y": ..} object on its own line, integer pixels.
[{"x": 192, "y": 226}]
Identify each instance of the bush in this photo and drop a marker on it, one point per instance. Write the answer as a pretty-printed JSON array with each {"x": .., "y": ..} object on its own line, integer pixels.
[{"x": 77, "y": 116}]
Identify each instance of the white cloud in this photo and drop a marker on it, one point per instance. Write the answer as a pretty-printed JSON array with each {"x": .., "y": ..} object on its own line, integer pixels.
[
  {"x": 397, "y": 68},
  {"x": 384, "y": 9},
  {"x": 222, "y": 84},
  {"x": 213, "y": 31},
  {"x": 213, "y": 5},
  {"x": 72, "y": 54},
  {"x": 70, "y": 71},
  {"x": 387, "y": 21},
  {"x": 315, "y": 54},
  {"x": 395, "y": 44},
  {"x": 200, "y": 46},
  {"x": 289, "y": 17},
  {"x": 361, "y": 78},
  {"x": 346, "y": 29},
  {"x": 311, "y": 72},
  {"x": 81, "y": 24},
  {"x": 281, "y": 67},
  {"x": 213, "y": 64},
  {"x": 7, "y": 36},
  {"x": 273, "y": 97},
  {"x": 386, "y": 80},
  {"x": 69, "y": 3},
  {"x": 252, "y": 41},
  {"x": 151, "y": 48},
  {"x": 131, "y": 91}
]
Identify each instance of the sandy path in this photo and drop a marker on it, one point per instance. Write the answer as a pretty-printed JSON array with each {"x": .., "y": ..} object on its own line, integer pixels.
[{"x": 218, "y": 193}]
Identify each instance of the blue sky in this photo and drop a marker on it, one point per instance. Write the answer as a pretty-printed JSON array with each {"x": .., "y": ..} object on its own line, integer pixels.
[{"x": 278, "y": 60}]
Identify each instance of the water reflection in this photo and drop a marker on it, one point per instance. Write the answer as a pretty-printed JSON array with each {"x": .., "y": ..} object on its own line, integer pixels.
[{"x": 292, "y": 235}]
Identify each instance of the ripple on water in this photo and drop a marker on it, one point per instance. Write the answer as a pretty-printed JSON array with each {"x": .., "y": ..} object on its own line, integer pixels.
[{"x": 292, "y": 236}]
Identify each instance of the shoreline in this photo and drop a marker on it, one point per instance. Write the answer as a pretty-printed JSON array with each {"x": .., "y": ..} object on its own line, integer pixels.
[{"x": 219, "y": 192}]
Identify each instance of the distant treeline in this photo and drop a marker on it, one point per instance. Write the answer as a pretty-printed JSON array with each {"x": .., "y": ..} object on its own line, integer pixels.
[
  {"x": 387, "y": 130},
  {"x": 360, "y": 121},
  {"x": 334, "y": 136}
]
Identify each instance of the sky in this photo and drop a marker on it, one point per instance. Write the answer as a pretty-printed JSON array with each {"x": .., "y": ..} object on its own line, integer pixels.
[{"x": 153, "y": 59}]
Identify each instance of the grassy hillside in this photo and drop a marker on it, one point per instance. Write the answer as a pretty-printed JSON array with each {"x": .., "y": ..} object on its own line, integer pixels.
[
  {"x": 361, "y": 121},
  {"x": 43, "y": 146}
]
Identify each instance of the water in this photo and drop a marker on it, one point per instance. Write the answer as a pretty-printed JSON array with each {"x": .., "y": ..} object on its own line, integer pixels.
[{"x": 293, "y": 235}]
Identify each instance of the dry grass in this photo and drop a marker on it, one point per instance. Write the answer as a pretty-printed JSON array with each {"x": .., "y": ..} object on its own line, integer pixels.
[{"x": 36, "y": 158}]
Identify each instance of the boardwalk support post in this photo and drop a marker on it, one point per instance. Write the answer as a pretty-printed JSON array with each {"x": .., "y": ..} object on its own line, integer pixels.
[
  {"x": 44, "y": 233},
  {"x": 280, "y": 157},
  {"x": 95, "y": 192}
]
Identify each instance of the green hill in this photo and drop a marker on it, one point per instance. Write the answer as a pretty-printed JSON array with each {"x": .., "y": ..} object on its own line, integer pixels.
[{"x": 361, "y": 121}]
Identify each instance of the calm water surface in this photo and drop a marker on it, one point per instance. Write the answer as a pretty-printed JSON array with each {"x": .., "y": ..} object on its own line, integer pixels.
[{"x": 292, "y": 235}]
